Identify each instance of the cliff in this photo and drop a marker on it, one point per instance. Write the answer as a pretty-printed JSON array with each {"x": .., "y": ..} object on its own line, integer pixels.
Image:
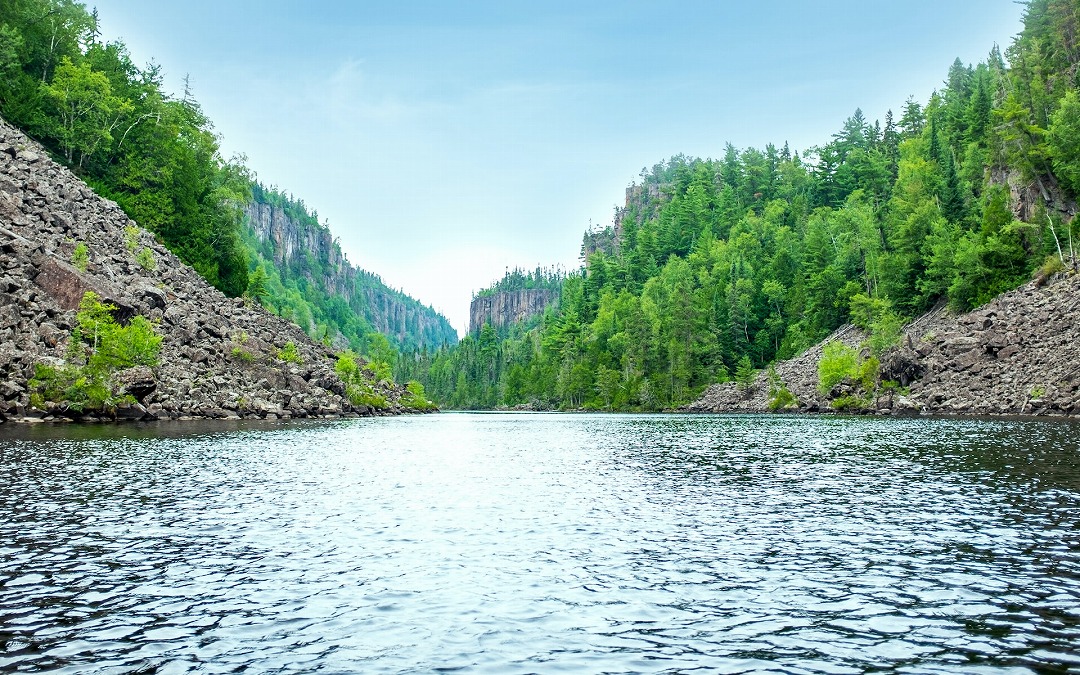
[
  {"x": 503, "y": 308},
  {"x": 642, "y": 203},
  {"x": 300, "y": 248},
  {"x": 1017, "y": 355},
  {"x": 220, "y": 357}
]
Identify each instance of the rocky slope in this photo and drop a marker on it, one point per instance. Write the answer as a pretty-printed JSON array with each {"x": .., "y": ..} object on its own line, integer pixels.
[
  {"x": 220, "y": 357},
  {"x": 504, "y": 308},
  {"x": 292, "y": 243},
  {"x": 1017, "y": 355}
]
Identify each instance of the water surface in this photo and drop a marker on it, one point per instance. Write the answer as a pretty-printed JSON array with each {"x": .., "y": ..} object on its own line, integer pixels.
[{"x": 542, "y": 543}]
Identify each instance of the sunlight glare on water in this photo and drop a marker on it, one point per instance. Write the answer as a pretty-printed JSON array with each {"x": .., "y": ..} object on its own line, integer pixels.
[{"x": 542, "y": 543}]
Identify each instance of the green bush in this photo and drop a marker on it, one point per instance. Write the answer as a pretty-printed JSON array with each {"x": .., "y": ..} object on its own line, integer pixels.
[
  {"x": 365, "y": 395},
  {"x": 416, "y": 398},
  {"x": 1051, "y": 266},
  {"x": 242, "y": 355},
  {"x": 876, "y": 316},
  {"x": 145, "y": 258},
  {"x": 80, "y": 257},
  {"x": 780, "y": 397},
  {"x": 848, "y": 403},
  {"x": 99, "y": 347},
  {"x": 358, "y": 388},
  {"x": 131, "y": 238},
  {"x": 107, "y": 345},
  {"x": 838, "y": 361},
  {"x": 289, "y": 353}
]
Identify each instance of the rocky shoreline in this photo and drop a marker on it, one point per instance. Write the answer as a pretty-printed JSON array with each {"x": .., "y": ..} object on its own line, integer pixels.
[
  {"x": 1018, "y": 355},
  {"x": 221, "y": 358}
]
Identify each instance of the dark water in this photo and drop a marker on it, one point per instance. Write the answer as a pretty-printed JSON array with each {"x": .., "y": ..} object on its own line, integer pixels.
[{"x": 543, "y": 543}]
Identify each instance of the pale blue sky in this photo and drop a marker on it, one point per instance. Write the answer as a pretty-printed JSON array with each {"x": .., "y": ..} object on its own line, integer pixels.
[{"x": 445, "y": 141}]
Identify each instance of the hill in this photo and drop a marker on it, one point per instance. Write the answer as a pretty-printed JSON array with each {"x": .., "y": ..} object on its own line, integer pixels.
[
  {"x": 99, "y": 319},
  {"x": 1016, "y": 355},
  {"x": 157, "y": 156},
  {"x": 715, "y": 268}
]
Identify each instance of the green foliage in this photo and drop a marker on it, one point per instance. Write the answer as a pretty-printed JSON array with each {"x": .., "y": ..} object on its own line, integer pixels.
[
  {"x": 80, "y": 257},
  {"x": 131, "y": 238},
  {"x": 154, "y": 154},
  {"x": 848, "y": 403},
  {"x": 780, "y": 397},
  {"x": 289, "y": 353},
  {"x": 1064, "y": 141},
  {"x": 145, "y": 258},
  {"x": 876, "y": 316},
  {"x": 838, "y": 362},
  {"x": 73, "y": 387},
  {"x": 242, "y": 355},
  {"x": 518, "y": 279},
  {"x": 745, "y": 374},
  {"x": 416, "y": 398},
  {"x": 381, "y": 357},
  {"x": 1051, "y": 266},
  {"x": 358, "y": 388},
  {"x": 256, "y": 289},
  {"x": 99, "y": 347},
  {"x": 84, "y": 110}
]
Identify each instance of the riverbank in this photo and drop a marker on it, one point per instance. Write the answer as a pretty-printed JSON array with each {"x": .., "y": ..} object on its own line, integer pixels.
[
  {"x": 221, "y": 358},
  {"x": 1019, "y": 354}
]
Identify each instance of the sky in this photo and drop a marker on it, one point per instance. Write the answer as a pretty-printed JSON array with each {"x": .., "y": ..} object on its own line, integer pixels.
[{"x": 445, "y": 142}]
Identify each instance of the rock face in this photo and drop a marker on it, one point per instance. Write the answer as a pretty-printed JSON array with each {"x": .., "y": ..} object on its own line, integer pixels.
[
  {"x": 1017, "y": 355},
  {"x": 404, "y": 320},
  {"x": 220, "y": 357},
  {"x": 642, "y": 204},
  {"x": 507, "y": 307},
  {"x": 799, "y": 375}
]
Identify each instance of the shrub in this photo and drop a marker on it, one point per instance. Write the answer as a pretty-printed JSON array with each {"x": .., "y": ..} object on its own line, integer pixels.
[
  {"x": 110, "y": 346},
  {"x": 1051, "y": 266},
  {"x": 80, "y": 257},
  {"x": 416, "y": 398},
  {"x": 145, "y": 258},
  {"x": 289, "y": 353},
  {"x": 242, "y": 355},
  {"x": 131, "y": 238},
  {"x": 98, "y": 348},
  {"x": 365, "y": 395},
  {"x": 848, "y": 403},
  {"x": 780, "y": 397},
  {"x": 838, "y": 361},
  {"x": 876, "y": 316},
  {"x": 358, "y": 388}
]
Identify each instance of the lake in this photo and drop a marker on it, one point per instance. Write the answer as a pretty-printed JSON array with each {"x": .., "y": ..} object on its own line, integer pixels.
[{"x": 519, "y": 543}]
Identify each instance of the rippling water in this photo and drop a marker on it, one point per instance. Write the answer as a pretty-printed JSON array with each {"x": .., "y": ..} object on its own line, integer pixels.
[{"x": 543, "y": 543}]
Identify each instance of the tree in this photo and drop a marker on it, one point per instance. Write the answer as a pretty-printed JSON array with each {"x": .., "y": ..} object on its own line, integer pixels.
[
  {"x": 86, "y": 110},
  {"x": 1064, "y": 142},
  {"x": 256, "y": 289},
  {"x": 745, "y": 375}
]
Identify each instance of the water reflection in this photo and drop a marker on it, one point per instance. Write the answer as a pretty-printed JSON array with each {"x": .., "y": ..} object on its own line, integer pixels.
[{"x": 532, "y": 543}]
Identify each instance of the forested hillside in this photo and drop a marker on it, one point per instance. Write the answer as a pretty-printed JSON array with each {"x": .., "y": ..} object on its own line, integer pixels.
[
  {"x": 157, "y": 156},
  {"x": 300, "y": 273},
  {"x": 719, "y": 266}
]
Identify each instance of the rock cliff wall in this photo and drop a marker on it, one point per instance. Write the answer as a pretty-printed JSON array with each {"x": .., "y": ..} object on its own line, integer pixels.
[
  {"x": 1017, "y": 355},
  {"x": 504, "y": 308},
  {"x": 642, "y": 204},
  {"x": 295, "y": 245},
  {"x": 219, "y": 356}
]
